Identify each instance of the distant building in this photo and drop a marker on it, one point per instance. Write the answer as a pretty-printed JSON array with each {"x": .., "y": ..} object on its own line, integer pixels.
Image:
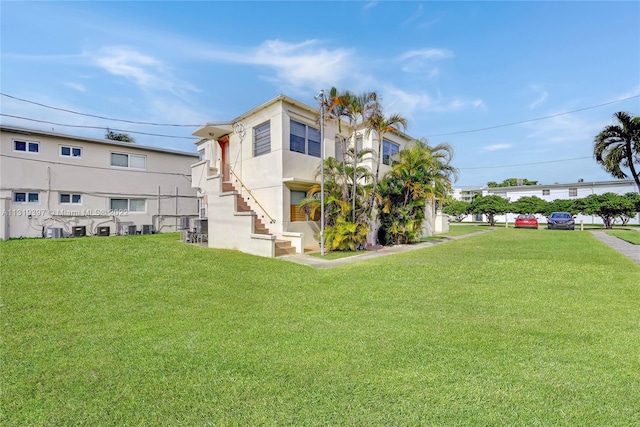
[
  {"x": 466, "y": 194},
  {"x": 550, "y": 192},
  {"x": 54, "y": 185}
]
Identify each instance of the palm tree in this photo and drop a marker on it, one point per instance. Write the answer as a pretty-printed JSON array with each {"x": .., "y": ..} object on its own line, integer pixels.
[
  {"x": 357, "y": 109},
  {"x": 342, "y": 233},
  {"x": 383, "y": 125},
  {"x": 420, "y": 173},
  {"x": 618, "y": 146}
]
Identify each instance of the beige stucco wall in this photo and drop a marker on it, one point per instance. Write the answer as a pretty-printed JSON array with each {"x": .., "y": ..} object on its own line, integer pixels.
[
  {"x": 165, "y": 184},
  {"x": 272, "y": 176}
]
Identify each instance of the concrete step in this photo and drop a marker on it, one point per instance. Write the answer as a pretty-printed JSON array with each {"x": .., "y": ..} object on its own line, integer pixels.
[
  {"x": 259, "y": 227},
  {"x": 227, "y": 186},
  {"x": 283, "y": 247},
  {"x": 241, "y": 205}
]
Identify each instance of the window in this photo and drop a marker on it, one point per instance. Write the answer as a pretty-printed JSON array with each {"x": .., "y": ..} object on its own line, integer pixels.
[
  {"x": 573, "y": 192},
  {"x": 128, "y": 161},
  {"x": 26, "y": 146},
  {"x": 340, "y": 147},
  {"x": 67, "y": 151},
  {"x": 75, "y": 199},
  {"x": 130, "y": 205},
  {"x": 26, "y": 197},
  {"x": 202, "y": 209},
  {"x": 389, "y": 149},
  {"x": 304, "y": 139},
  {"x": 296, "y": 213},
  {"x": 262, "y": 139},
  {"x": 546, "y": 192},
  {"x": 359, "y": 143}
]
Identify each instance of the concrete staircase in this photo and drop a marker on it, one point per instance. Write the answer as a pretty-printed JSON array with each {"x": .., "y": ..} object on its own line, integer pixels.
[{"x": 282, "y": 247}]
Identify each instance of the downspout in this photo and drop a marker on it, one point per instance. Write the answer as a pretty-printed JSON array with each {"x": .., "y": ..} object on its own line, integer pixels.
[{"x": 157, "y": 227}]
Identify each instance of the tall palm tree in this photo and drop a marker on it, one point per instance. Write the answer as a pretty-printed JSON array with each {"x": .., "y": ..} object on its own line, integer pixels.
[
  {"x": 357, "y": 109},
  {"x": 421, "y": 173},
  {"x": 618, "y": 146},
  {"x": 382, "y": 125}
]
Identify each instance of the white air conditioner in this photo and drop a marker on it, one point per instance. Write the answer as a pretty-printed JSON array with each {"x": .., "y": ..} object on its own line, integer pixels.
[{"x": 54, "y": 233}]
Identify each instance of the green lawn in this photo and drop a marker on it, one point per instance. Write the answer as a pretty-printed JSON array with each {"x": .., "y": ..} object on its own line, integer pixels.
[
  {"x": 630, "y": 236},
  {"x": 511, "y": 327}
]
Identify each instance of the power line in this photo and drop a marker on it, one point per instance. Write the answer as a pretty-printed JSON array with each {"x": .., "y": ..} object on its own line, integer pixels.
[
  {"x": 536, "y": 119},
  {"x": 428, "y": 136},
  {"x": 526, "y": 164},
  {"x": 96, "y": 127},
  {"x": 96, "y": 116}
]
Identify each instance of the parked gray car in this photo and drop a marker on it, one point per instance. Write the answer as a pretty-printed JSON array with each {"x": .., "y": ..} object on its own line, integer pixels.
[{"x": 561, "y": 220}]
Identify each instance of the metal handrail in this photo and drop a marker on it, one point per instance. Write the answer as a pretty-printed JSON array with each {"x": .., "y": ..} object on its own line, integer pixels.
[{"x": 272, "y": 220}]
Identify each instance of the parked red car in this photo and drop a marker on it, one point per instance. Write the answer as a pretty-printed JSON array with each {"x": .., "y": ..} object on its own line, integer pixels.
[{"x": 526, "y": 221}]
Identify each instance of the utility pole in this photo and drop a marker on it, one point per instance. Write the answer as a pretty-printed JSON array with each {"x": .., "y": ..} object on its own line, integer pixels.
[{"x": 320, "y": 97}]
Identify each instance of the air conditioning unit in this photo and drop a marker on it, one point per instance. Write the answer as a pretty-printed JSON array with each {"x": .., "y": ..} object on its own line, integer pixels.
[
  {"x": 202, "y": 226},
  {"x": 54, "y": 233},
  {"x": 147, "y": 229},
  {"x": 104, "y": 231},
  {"x": 79, "y": 231},
  {"x": 132, "y": 229},
  {"x": 184, "y": 223}
]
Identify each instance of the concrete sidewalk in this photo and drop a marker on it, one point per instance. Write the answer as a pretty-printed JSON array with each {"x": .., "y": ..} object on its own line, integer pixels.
[
  {"x": 319, "y": 262},
  {"x": 629, "y": 250}
]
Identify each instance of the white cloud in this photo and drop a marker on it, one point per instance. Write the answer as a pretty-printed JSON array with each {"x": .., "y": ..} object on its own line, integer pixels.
[
  {"x": 633, "y": 92},
  {"x": 428, "y": 54},
  {"x": 563, "y": 128},
  {"x": 370, "y": 4},
  {"x": 542, "y": 97},
  {"x": 146, "y": 71},
  {"x": 77, "y": 86},
  {"x": 296, "y": 64},
  {"x": 423, "y": 102},
  {"x": 417, "y": 14},
  {"x": 496, "y": 147},
  {"x": 421, "y": 61}
]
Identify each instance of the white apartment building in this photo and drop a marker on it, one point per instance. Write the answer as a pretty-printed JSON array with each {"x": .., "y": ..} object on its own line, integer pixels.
[
  {"x": 55, "y": 185},
  {"x": 551, "y": 192},
  {"x": 256, "y": 168}
]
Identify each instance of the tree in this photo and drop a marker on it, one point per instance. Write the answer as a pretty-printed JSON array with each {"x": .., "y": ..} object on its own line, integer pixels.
[
  {"x": 122, "y": 137},
  {"x": 528, "y": 205},
  {"x": 607, "y": 206},
  {"x": 382, "y": 125},
  {"x": 561, "y": 205},
  {"x": 346, "y": 224},
  {"x": 457, "y": 209},
  {"x": 357, "y": 109},
  {"x": 618, "y": 146},
  {"x": 511, "y": 182},
  {"x": 633, "y": 208},
  {"x": 490, "y": 206},
  {"x": 420, "y": 173}
]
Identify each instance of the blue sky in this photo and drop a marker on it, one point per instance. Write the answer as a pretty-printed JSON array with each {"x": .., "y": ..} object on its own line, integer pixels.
[{"x": 451, "y": 68}]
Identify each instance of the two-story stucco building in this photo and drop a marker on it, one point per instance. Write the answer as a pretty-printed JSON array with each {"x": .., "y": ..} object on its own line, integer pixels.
[
  {"x": 256, "y": 168},
  {"x": 54, "y": 185}
]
